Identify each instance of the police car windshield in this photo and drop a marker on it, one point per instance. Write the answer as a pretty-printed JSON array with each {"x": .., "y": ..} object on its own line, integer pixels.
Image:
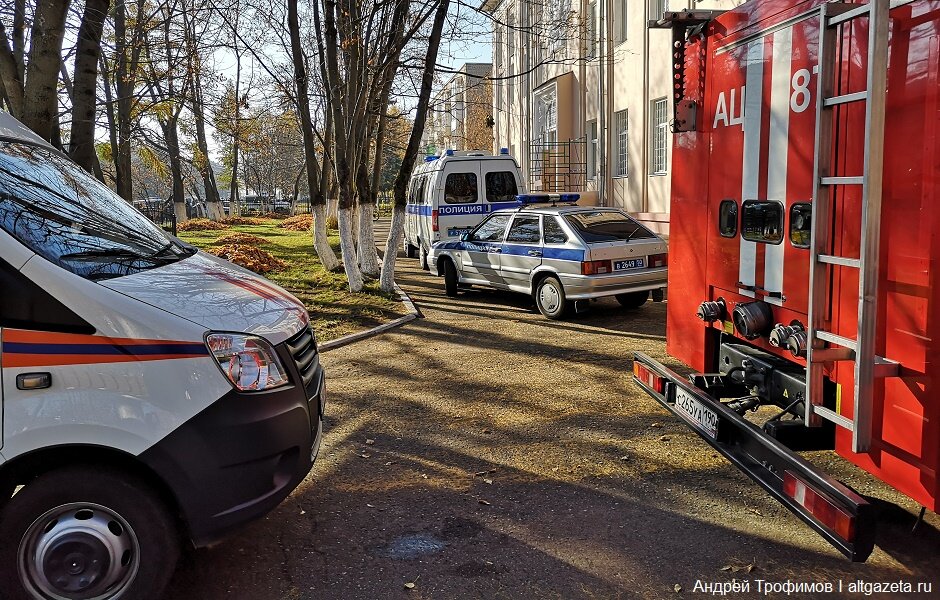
[
  {"x": 606, "y": 226},
  {"x": 68, "y": 217}
]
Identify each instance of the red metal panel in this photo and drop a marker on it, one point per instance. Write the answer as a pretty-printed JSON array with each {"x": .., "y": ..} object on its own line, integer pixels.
[{"x": 712, "y": 165}]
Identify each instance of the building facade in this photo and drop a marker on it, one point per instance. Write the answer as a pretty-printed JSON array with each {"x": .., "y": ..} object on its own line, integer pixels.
[
  {"x": 582, "y": 97},
  {"x": 460, "y": 116}
]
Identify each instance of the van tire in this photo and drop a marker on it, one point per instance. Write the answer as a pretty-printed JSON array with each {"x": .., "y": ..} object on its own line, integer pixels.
[
  {"x": 60, "y": 494},
  {"x": 424, "y": 258},
  {"x": 550, "y": 299},
  {"x": 451, "y": 281},
  {"x": 633, "y": 299},
  {"x": 410, "y": 251}
]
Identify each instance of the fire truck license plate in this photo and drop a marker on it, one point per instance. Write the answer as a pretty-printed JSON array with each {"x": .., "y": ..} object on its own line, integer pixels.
[
  {"x": 633, "y": 263},
  {"x": 697, "y": 411}
]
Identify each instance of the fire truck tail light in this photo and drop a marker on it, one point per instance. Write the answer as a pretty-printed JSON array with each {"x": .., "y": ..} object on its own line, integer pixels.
[
  {"x": 596, "y": 267},
  {"x": 654, "y": 381},
  {"x": 434, "y": 225},
  {"x": 658, "y": 261},
  {"x": 823, "y": 509}
]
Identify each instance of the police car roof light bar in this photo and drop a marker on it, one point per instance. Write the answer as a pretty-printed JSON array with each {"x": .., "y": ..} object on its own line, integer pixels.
[{"x": 554, "y": 199}]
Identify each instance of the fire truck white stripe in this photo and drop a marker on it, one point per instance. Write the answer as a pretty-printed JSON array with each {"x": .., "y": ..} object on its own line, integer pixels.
[
  {"x": 750, "y": 176},
  {"x": 779, "y": 146}
]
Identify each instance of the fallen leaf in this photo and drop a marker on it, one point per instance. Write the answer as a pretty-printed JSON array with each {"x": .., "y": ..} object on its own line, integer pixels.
[
  {"x": 488, "y": 481},
  {"x": 370, "y": 506},
  {"x": 677, "y": 587},
  {"x": 364, "y": 455},
  {"x": 303, "y": 512},
  {"x": 369, "y": 442},
  {"x": 484, "y": 502},
  {"x": 410, "y": 585},
  {"x": 487, "y": 431},
  {"x": 480, "y": 473},
  {"x": 726, "y": 568},
  {"x": 665, "y": 438},
  {"x": 424, "y": 475},
  {"x": 624, "y": 458},
  {"x": 656, "y": 425},
  {"x": 750, "y": 568},
  {"x": 390, "y": 463}
]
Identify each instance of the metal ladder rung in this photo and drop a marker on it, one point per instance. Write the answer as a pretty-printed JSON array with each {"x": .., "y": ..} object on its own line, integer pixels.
[
  {"x": 841, "y": 261},
  {"x": 848, "y": 15},
  {"x": 835, "y": 417},
  {"x": 846, "y": 98},
  {"x": 858, "y": 180},
  {"x": 836, "y": 339},
  {"x": 885, "y": 367}
]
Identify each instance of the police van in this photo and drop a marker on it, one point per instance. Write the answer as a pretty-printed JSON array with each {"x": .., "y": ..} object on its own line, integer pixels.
[
  {"x": 449, "y": 195},
  {"x": 150, "y": 393}
]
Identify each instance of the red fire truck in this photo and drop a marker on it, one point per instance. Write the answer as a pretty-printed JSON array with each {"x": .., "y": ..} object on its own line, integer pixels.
[{"x": 804, "y": 222}]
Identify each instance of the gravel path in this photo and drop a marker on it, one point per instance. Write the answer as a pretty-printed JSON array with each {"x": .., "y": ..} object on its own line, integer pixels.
[{"x": 485, "y": 452}]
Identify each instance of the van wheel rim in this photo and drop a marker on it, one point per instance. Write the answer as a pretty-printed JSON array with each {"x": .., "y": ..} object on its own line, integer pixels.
[
  {"x": 78, "y": 551},
  {"x": 549, "y": 297}
]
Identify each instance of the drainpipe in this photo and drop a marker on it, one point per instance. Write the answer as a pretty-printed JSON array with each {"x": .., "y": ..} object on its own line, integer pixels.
[
  {"x": 609, "y": 66},
  {"x": 644, "y": 198},
  {"x": 601, "y": 104}
]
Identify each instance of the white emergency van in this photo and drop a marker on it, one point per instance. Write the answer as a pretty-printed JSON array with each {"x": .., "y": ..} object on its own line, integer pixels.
[
  {"x": 449, "y": 195},
  {"x": 150, "y": 393}
]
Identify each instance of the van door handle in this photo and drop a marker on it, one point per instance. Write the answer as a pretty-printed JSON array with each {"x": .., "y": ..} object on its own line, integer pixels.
[{"x": 535, "y": 253}]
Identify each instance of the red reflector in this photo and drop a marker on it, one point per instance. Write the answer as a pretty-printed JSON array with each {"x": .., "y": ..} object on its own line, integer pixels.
[
  {"x": 658, "y": 261},
  {"x": 823, "y": 509},
  {"x": 434, "y": 226},
  {"x": 596, "y": 267},
  {"x": 652, "y": 380}
]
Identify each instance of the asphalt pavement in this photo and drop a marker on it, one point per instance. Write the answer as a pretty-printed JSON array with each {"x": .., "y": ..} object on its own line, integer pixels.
[{"x": 482, "y": 451}]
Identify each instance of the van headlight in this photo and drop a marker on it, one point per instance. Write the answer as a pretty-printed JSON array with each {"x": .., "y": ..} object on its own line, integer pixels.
[{"x": 248, "y": 361}]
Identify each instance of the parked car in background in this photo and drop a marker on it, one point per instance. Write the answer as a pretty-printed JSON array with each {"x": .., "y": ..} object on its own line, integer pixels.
[
  {"x": 449, "y": 195},
  {"x": 561, "y": 255}
]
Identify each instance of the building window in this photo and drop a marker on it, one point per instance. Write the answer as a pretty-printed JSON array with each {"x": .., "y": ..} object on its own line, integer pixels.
[
  {"x": 620, "y": 21},
  {"x": 658, "y": 9},
  {"x": 592, "y": 149},
  {"x": 620, "y": 128},
  {"x": 591, "y": 31},
  {"x": 659, "y": 128}
]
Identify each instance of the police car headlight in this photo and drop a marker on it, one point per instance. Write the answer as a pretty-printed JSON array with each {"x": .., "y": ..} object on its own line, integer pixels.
[{"x": 248, "y": 361}]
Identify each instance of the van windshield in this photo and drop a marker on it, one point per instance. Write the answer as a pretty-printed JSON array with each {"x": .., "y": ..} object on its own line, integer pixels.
[
  {"x": 68, "y": 217},
  {"x": 606, "y": 226}
]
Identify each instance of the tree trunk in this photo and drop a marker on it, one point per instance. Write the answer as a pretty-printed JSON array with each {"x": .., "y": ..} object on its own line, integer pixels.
[
  {"x": 125, "y": 88},
  {"x": 171, "y": 134},
  {"x": 328, "y": 258},
  {"x": 387, "y": 281},
  {"x": 11, "y": 83},
  {"x": 368, "y": 254},
  {"x": 40, "y": 94},
  {"x": 85, "y": 86}
]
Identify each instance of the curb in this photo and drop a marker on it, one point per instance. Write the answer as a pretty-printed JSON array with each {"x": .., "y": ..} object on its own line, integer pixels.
[{"x": 413, "y": 313}]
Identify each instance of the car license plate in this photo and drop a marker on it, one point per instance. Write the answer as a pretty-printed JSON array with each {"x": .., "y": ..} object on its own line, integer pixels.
[
  {"x": 633, "y": 263},
  {"x": 457, "y": 231},
  {"x": 697, "y": 411}
]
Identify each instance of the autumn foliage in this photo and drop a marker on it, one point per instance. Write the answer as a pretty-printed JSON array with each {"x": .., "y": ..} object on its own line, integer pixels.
[{"x": 252, "y": 258}]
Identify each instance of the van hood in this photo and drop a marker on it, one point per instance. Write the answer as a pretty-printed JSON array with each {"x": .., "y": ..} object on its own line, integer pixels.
[{"x": 217, "y": 295}]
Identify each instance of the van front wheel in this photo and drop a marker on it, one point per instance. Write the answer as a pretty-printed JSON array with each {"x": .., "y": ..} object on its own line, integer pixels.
[
  {"x": 79, "y": 532},
  {"x": 424, "y": 259},
  {"x": 451, "y": 282},
  {"x": 410, "y": 251}
]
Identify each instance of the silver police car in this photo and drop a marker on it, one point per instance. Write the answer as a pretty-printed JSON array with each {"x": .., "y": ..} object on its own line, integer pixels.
[{"x": 558, "y": 254}]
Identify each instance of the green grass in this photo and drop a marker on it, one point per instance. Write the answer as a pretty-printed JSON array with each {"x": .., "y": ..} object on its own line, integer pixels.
[{"x": 334, "y": 310}]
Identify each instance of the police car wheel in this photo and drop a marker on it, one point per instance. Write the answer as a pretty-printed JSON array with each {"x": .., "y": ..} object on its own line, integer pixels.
[
  {"x": 451, "y": 282},
  {"x": 633, "y": 299},
  {"x": 79, "y": 532},
  {"x": 410, "y": 251},
  {"x": 550, "y": 298}
]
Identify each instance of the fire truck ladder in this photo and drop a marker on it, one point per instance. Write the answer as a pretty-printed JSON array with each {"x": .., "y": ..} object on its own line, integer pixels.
[{"x": 861, "y": 350}]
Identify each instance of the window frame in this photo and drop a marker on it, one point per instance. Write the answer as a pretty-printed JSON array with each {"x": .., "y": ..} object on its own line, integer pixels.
[
  {"x": 737, "y": 218},
  {"x": 519, "y": 217},
  {"x": 659, "y": 138},
  {"x": 622, "y": 130},
  {"x": 783, "y": 212},
  {"x": 790, "y": 224},
  {"x": 476, "y": 177}
]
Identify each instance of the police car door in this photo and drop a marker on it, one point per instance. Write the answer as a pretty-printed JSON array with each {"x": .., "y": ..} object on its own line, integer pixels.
[
  {"x": 522, "y": 252},
  {"x": 481, "y": 251}
]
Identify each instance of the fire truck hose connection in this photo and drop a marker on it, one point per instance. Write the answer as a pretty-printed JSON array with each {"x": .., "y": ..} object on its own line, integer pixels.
[
  {"x": 711, "y": 311},
  {"x": 752, "y": 319},
  {"x": 792, "y": 337}
]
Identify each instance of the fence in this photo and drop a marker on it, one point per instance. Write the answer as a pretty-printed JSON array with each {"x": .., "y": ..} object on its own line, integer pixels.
[{"x": 558, "y": 166}]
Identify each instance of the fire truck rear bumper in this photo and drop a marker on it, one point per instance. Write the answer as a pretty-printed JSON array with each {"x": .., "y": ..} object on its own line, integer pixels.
[{"x": 842, "y": 517}]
